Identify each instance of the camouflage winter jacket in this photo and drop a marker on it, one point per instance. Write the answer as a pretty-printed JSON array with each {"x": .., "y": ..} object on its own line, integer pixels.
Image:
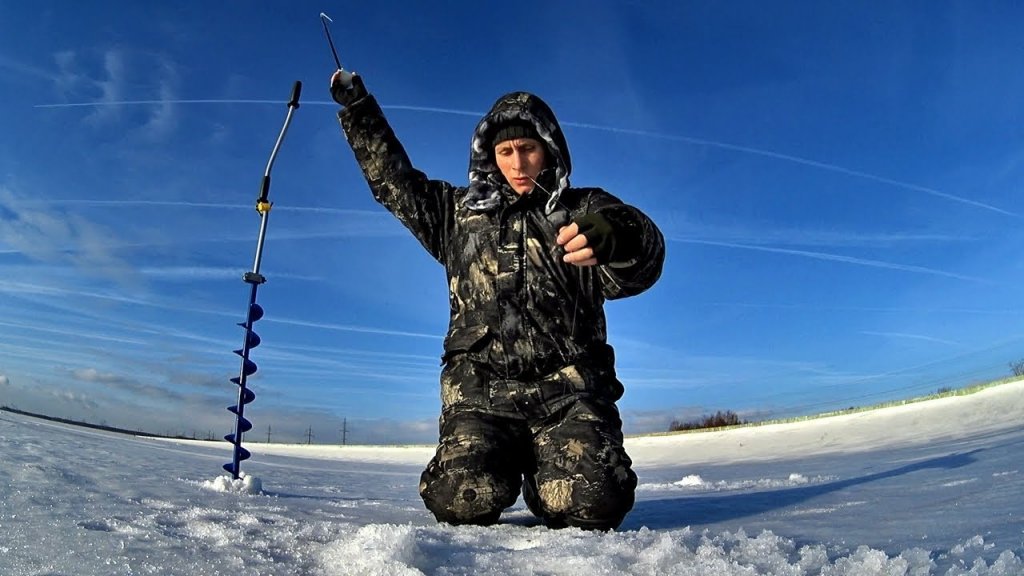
[{"x": 514, "y": 304}]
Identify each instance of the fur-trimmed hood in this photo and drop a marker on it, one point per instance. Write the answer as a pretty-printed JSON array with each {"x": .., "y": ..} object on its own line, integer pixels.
[{"x": 485, "y": 179}]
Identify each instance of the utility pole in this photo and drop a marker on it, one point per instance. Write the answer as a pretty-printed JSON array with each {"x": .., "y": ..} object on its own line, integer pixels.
[
  {"x": 344, "y": 431},
  {"x": 309, "y": 435},
  {"x": 268, "y": 433}
]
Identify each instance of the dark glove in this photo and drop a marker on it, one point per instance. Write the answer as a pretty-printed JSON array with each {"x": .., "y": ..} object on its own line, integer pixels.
[
  {"x": 612, "y": 236},
  {"x": 349, "y": 94}
]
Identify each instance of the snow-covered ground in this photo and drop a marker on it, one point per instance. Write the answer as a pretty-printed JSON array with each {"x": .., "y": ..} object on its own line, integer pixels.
[{"x": 926, "y": 488}]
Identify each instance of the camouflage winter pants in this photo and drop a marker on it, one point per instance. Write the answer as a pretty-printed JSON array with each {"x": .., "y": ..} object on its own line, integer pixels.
[{"x": 557, "y": 438}]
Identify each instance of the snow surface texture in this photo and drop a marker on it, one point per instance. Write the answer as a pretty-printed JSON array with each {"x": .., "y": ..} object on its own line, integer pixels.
[{"x": 929, "y": 488}]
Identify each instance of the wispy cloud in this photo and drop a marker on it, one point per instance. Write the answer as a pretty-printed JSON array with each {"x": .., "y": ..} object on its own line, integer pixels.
[
  {"x": 109, "y": 86},
  {"x": 94, "y": 375},
  {"x": 76, "y": 333},
  {"x": 679, "y": 227},
  {"x": 81, "y": 400},
  {"x": 128, "y": 408},
  {"x": 163, "y": 120},
  {"x": 68, "y": 74},
  {"x": 58, "y": 237},
  {"x": 109, "y": 80},
  {"x": 959, "y": 359},
  {"x": 170, "y": 304},
  {"x": 833, "y": 258},
  {"x": 676, "y": 370},
  {"x": 121, "y": 383},
  {"x": 353, "y": 223},
  {"x": 352, "y": 328},
  {"x": 905, "y": 336},
  {"x": 27, "y": 70},
  {"x": 31, "y": 288},
  {"x": 890, "y": 309},
  {"x": 304, "y": 352}
]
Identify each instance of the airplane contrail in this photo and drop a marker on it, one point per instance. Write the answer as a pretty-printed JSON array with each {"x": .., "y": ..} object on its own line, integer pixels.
[
  {"x": 833, "y": 258},
  {"x": 154, "y": 102},
  {"x": 910, "y": 337},
  {"x": 600, "y": 127},
  {"x": 186, "y": 204},
  {"x": 797, "y": 160}
]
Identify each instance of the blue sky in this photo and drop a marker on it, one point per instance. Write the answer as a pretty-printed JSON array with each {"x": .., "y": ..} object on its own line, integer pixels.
[{"x": 839, "y": 185}]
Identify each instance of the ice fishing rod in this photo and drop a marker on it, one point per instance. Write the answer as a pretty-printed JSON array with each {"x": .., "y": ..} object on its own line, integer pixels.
[
  {"x": 254, "y": 312},
  {"x": 324, "y": 19},
  {"x": 346, "y": 76}
]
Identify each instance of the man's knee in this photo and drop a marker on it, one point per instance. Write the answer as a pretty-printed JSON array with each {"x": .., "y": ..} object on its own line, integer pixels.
[
  {"x": 466, "y": 496},
  {"x": 476, "y": 472},
  {"x": 584, "y": 475},
  {"x": 595, "y": 502}
]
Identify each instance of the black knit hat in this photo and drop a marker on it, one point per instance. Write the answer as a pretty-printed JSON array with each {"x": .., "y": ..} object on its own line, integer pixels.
[{"x": 513, "y": 130}]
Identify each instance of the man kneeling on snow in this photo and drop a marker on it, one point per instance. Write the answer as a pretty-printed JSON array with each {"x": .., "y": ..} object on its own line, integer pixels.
[{"x": 528, "y": 387}]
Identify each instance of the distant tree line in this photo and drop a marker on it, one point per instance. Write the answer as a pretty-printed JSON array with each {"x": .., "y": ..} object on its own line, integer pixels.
[
  {"x": 719, "y": 419},
  {"x": 103, "y": 427},
  {"x": 1017, "y": 367},
  {"x": 86, "y": 424},
  {"x": 208, "y": 437}
]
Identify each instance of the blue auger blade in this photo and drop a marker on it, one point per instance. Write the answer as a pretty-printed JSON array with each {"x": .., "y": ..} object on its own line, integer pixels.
[
  {"x": 255, "y": 312},
  {"x": 247, "y": 396},
  {"x": 243, "y": 424},
  {"x": 252, "y": 339},
  {"x": 248, "y": 366},
  {"x": 237, "y": 380},
  {"x": 242, "y": 452}
]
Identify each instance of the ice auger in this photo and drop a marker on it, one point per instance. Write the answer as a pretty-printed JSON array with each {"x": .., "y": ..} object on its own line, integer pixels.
[{"x": 254, "y": 311}]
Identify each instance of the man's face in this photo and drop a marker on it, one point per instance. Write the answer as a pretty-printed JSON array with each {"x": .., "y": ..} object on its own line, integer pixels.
[{"x": 520, "y": 162}]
